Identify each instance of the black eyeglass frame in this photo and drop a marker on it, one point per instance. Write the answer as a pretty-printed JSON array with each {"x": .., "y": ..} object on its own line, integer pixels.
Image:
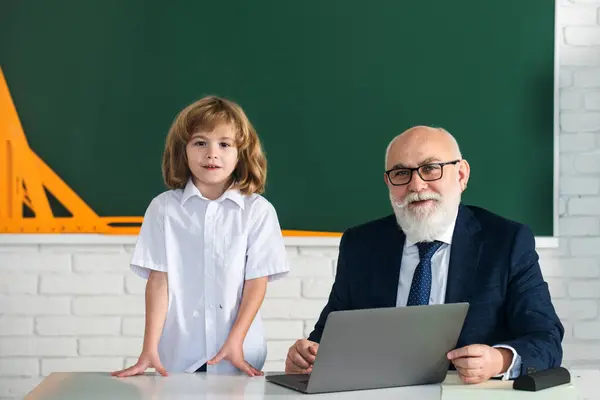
[{"x": 440, "y": 164}]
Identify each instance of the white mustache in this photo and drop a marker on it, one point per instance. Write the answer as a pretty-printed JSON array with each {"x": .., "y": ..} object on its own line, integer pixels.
[{"x": 417, "y": 196}]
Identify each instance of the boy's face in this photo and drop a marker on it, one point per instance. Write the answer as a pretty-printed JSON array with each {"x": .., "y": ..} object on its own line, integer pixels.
[{"x": 212, "y": 158}]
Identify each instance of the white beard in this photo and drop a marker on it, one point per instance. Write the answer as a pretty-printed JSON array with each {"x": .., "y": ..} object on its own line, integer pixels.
[{"x": 426, "y": 223}]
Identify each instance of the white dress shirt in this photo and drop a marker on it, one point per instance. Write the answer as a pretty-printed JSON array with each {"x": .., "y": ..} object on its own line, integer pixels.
[
  {"x": 439, "y": 269},
  {"x": 439, "y": 279},
  {"x": 208, "y": 249}
]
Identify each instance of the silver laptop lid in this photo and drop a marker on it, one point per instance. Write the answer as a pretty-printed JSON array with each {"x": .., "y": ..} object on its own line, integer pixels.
[{"x": 386, "y": 347}]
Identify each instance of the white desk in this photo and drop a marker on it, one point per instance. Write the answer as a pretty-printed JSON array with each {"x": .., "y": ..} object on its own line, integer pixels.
[{"x": 98, "y": 385}]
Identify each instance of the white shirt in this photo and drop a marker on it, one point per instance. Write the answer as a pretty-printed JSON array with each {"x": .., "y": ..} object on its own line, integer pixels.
[
  {"x": 208, "y": 249},
  {"x": 440, "y": 262}
]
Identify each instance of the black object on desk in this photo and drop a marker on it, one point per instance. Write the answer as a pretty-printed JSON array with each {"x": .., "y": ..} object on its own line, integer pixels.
[
  {"x": 202, "y": 368},
  {"x": 541, "y": 380}
]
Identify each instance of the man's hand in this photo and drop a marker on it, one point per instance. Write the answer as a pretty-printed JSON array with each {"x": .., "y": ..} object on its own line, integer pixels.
[
  {"x": 301, "y": 357},
  {"x": 479, "y": 362}
]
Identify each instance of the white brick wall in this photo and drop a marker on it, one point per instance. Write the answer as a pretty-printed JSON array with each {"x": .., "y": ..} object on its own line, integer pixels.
[
  {"x": 77, "y": 326},
  {"x": 78, "y": 308},
  {"x": 587, "y": 78},
  {"x": 573, "y": 271},
  {"x": 15, "y": 326}
]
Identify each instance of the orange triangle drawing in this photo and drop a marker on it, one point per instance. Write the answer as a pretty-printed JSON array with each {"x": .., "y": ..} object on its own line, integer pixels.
[{"x": 27, "y": 178}]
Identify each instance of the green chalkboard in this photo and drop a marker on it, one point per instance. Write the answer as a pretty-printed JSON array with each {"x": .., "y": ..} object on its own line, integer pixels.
[{"x": 327, "y": 84}]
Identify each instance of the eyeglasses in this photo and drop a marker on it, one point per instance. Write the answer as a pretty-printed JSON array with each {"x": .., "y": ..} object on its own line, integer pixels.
[{"x": 427, "y": 172}]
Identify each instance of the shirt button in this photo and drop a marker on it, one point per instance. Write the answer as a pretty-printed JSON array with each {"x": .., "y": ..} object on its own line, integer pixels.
[
  {"x": 196, "y": 313},
  {"x": 210, "y": 306}
]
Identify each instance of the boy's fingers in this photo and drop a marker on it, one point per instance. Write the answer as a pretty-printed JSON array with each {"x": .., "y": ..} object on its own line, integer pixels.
[
  {"x": 161, "y": 370},
  {"x": 216, "y": 359},
  {"x": 245, "y": 367},
  {"x": 255, "y": 371},
  {"x": 135, "y": 370}
]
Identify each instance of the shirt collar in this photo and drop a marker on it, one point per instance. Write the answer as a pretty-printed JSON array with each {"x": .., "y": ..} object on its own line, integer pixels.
[
  {"x": 191, "y": 190},
  {"x": 444, "y": 237}
]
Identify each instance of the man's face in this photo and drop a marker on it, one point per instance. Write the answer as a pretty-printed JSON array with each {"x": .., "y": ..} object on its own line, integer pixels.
[{"x": 425, "y": 206}]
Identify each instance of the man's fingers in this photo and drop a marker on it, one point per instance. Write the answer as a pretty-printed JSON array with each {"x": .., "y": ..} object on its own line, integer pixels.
[
  {"x": 297, "y": 359},
  {"x": 307, "y": 353},
  {"x": 471, "y": 379},
  {"x": 293, "y": 368},
  {"x": 468, "y": 362},
  {"x": 467, "y": 351},
  {"x": 466, "y": 372},
  {"x": 473, "y": 350},
  {"x": 300, "y": 357}
]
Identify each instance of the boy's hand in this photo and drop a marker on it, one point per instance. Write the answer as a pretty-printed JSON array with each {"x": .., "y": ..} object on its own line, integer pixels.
[
  {"x": 146, "y": 360},
  {"x": 233, "y": 351}
]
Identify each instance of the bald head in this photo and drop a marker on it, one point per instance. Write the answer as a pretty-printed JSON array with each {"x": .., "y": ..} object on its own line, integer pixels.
[{"x": 419, "y": 144}]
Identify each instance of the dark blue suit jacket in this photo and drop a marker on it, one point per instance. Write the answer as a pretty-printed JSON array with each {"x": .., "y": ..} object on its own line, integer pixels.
[{"x": 493, "y": 266}]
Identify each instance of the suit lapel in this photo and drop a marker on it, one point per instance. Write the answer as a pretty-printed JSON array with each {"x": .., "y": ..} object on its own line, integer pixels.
[
  {"x": 464, "y": 256},
  {"x": 393, "y": 247}
]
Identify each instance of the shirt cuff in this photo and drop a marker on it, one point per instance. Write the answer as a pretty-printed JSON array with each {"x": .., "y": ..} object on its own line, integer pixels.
[{"x": 514, "y": 370}]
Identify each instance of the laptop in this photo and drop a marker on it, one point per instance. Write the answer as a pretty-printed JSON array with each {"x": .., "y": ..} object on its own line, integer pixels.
[{"x": 380, "y": 348}]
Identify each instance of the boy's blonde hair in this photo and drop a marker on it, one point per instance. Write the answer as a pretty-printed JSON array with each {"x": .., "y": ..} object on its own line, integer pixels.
[{"x": 206, "y": 114}]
